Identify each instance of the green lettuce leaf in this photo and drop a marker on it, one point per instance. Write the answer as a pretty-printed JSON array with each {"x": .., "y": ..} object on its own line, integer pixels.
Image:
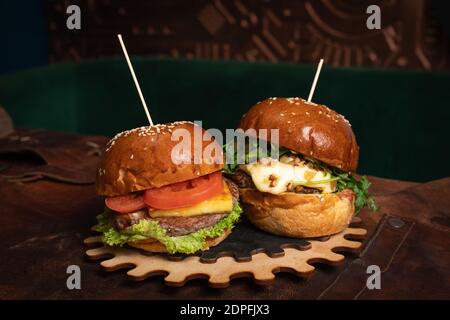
[
  {"x": 252, "y": 151},
  {"x": 189, "y": 243},
  {"x": 359, "y": 187}
]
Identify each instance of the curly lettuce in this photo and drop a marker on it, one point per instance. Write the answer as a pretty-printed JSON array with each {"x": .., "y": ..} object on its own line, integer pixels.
[
  {"x": 251, "y": 151},
  {"x": 145, "y": 229},
  {"x": 360, "y": 187}
]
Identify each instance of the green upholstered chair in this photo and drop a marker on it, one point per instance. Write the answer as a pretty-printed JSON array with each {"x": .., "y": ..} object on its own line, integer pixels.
[{"x": 401, "y": 118}]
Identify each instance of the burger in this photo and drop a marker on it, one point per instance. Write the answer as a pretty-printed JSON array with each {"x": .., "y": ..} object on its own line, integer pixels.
[
  {"x": 159, "y": 199},
  {"x": 309, "y": 189}
]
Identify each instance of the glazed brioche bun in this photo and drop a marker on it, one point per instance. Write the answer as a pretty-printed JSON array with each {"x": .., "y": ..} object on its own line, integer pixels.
[
  {"x": 311, "y": 129},
  {"x": 317, "y": 132},
  {"x": 153, "y": 245},
  {"x": 141, "y": 159},
  {"x": 298, "y": 215}
]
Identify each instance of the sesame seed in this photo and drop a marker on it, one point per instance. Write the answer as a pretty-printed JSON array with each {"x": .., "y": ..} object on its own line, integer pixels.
[
  {"x": 132, "y": 156},
  {"x": 282, "y": 114},
  {"x": 144, "y": 131}
]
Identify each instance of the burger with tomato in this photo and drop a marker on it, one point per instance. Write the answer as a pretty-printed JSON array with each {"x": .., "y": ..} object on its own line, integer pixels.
[
  {"x": 159, "y": 199},
  {"x": 307, "y": 188}
]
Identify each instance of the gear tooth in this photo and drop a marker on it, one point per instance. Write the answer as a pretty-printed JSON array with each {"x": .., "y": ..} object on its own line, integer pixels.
[
  {"x": 140, "y": 271},
  {"x": 302, "y": 267},
  {"x": 96, "y": 252},
  {"x": 299, "y": 270},
  {"x": 274, "y": 251},
  {"x": 115, "y": 264},
  {"x": 173, "y": 277},
  {"x": 350, "y": 244},
  {"x": 307, "y": 268},
  {"x": 354, "y": 231},
  {"x": 240, "y": 256},
  {"x": 109, "y": 263},
  {"x": 263, "y": 275},
  {"x": 92, "y": 240},
  {"x": 219, "y": 278},
  {"x": 333, "y": 257},
  {"x": 209, "y": 257}
]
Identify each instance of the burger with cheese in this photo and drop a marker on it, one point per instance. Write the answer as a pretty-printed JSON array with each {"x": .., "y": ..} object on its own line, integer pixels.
[
  {"x": 309, "y": 189},
  {"x": 159, "y": 200}
]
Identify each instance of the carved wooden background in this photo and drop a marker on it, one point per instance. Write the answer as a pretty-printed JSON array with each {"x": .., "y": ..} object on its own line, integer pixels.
[{"x": 298, "y": 31}]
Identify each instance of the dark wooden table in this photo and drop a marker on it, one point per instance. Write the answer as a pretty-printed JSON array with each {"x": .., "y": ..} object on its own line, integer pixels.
[{"x": 43, "y": 224}]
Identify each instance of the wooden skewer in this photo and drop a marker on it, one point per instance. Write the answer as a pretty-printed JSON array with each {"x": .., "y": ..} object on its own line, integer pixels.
[
  {"x": 316, "y": 77},
  {"x": 135, "y": 79}
]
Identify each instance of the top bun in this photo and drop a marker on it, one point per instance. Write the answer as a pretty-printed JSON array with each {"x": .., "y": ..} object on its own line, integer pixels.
[
  {"x": 311, "y": 129},
  {"x": 140, "y": 159}
]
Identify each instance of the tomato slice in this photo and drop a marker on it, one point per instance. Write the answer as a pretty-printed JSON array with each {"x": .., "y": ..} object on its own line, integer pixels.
[
  {"x": 127, "y": 203},
  {"x": 186, "y": 193}
]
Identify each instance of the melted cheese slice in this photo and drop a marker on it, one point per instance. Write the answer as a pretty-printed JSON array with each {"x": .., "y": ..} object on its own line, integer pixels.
[
  {"x": 272, "y": 176},
  {"x": 218, "y": 204}
]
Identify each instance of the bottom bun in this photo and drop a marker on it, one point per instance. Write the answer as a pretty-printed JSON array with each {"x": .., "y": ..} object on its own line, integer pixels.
[
  {"x": 299, "y": 215},
  {"x": 153, "y": 245}
]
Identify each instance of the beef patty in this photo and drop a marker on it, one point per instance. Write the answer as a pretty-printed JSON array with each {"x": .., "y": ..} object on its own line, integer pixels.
[
  {"x": 242, "y": 179},
  {"x": 176, "y": 226}
]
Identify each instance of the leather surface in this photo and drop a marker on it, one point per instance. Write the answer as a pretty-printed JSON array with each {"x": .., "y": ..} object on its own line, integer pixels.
[
  {"x": 43, "y": 224},
  {"x": 33, "y": 154}
]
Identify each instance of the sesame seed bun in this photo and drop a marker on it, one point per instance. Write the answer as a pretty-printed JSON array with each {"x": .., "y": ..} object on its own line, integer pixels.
[
  {"x": 311, "y": 129},
  {"x": 141, "y": 159},
  {"x": 317, "y": 132},
  {"x": 299, "y": 215}
]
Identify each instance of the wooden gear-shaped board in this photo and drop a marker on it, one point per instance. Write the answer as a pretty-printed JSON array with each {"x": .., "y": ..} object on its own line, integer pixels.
[{"x": 261, "y": 267}]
